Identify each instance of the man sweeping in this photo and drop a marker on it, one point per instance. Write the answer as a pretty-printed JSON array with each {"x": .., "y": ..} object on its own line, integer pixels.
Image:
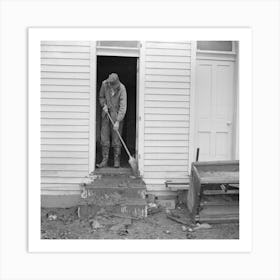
[{"x": 113, "y": 100}]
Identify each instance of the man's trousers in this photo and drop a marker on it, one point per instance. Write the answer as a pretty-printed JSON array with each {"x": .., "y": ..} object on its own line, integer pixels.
[{"x": 107, "y": 131}]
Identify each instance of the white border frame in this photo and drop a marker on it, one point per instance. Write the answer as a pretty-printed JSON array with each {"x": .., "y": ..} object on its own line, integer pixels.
[{"x": 35, "y": 244}]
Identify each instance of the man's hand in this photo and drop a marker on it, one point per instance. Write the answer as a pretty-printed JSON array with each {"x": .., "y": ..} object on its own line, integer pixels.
[
  {"x": 116, "y": 126},
  {"x": 105, "y": 108}
]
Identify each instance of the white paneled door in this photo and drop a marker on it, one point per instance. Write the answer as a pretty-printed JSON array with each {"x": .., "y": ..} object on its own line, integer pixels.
[{"x": 214, "y": 109}]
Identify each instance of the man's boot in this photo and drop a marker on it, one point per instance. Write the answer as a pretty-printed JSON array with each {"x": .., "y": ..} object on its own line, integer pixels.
[
  {"x": 117, "y": 153},
  {"x": 105, "y": 157}
]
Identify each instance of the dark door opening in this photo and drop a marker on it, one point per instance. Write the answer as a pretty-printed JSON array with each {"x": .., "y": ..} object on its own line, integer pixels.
[{"x": 126, "y": 68}]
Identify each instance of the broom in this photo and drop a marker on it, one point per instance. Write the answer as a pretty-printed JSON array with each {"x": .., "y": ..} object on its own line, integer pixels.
[{"x": 132, "y": 161}]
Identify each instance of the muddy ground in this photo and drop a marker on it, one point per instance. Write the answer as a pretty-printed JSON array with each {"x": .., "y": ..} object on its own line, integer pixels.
[{"x": 66, "y": 224}]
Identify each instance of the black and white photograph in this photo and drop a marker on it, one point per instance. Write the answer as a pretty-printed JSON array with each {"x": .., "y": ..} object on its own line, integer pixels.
[{"x": 139, "y": 139}]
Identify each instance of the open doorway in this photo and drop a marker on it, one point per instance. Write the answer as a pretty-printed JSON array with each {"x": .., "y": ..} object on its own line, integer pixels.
[{"x": 126, "y": 68}]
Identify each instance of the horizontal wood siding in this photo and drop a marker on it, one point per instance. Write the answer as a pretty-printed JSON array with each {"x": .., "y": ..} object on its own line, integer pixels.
[
  {"x": 167, "y": 112},
  {"x": 65, "y": 90}
]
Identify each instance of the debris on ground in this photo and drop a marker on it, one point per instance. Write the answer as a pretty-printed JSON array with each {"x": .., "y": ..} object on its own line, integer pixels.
[
  {"x": 190, "y": 236},
  {"x": 105, "y": 224},
  {"x": 202, "y": 226},
  {"x": 153, "y": 208},
  {"x": 184, "y": 228},
  {"x": 178, "y": 219},
  {"x": 123, "y": 216},
  {"x": 123, "y": 232},
  {"x": 152, "y": 205},
  {"x": 121, "y": 228},
  {"x": 94, "y": 224},
  {"x": 52, "y": 217},
  {"x": 117, "y": 227}
]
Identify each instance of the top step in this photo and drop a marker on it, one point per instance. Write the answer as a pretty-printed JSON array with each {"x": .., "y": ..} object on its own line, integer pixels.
[{"x": 112, "y": 171}]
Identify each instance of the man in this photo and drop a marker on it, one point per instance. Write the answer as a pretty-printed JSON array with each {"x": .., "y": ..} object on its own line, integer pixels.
[{"x": 113, "y": 100}]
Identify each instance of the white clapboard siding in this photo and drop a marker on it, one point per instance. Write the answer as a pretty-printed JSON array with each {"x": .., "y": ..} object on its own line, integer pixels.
[
  {"x": 64, "y": 134},
  {"x": 65, "y": 61},
  {"x": 161, "y": 143},
  {"x": 64, "y": 101},
  {"x": 64, "y": 141},
  {"x": 164, "y": 137},
  {"x": 166, "y": 150},
  {"x": 64, "y": 123},
  {"x": 64, "y": 154},
  {"x": 64, "y": 115},
  {"x": 165, "y": 104},
  {"x": 64, "y": 95},
  {"x": 68, "y": 108},
  {"x": 162, "y": 58},
  {"x": 184, "y": 53},
  {"x": 65, "y": 91},
  {"x": 64, "y": 75},
  {"x": 164, "y": 163},
  {"x": 70, "y": 55},
  {"x": 64, "y": 69},
  {"x": 168, "y": 72},
  {"x": 166, "y": 123},
  {"x": 169, "y": 65},
  {"x": 65, "y": 43},
  {"x": 158, "y": 117},
  {"x": 166, "y": 85},
  {"x": 164, "y": 78},
  {"x": 157, "y": 156},
  {"x": 167, "y": 91},
  {"x": 64, "y": 128},
  {"x": 53, "y": 160},
  {"x": 168, "y": 45},
  {"x": 167, "y": 111},
  {"x": 167, "y": 130},
  {"x": 64, "y": 88},
  {"x": 64, "y": 167},
  {"x": 63, "y": 147},
  {"x": 65, "y": 82}
]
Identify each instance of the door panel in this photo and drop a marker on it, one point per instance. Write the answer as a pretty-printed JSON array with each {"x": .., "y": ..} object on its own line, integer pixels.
[{"x": 214, "y": 109}]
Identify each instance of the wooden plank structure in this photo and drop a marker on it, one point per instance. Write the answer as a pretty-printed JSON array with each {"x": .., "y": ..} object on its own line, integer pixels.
[{"x": 214, "y": 191}]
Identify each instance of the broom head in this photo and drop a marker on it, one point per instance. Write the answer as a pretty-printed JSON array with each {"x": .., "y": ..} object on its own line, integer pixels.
[{"x": 134, "y": 166}]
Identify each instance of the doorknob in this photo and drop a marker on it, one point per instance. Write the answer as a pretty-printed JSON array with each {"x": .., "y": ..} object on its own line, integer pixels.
[{"x": 228, "y": 123}]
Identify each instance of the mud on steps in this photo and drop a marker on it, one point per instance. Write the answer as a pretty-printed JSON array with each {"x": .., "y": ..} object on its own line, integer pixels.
[{"x": 115, "y": 190}]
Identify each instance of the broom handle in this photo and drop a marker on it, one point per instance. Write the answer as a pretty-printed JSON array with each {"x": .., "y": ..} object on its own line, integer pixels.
[{"x": 119, "y": 136}]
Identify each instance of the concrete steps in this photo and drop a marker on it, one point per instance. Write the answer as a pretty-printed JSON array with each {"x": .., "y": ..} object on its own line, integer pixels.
[{"x": 114, "y": 190}]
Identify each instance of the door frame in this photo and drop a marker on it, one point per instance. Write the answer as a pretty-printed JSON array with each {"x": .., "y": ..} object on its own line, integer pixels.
[
  {"x": 92, "y": 108},
  {"x": 114, "y": 51},
  {"x": 213, "y": 55}
]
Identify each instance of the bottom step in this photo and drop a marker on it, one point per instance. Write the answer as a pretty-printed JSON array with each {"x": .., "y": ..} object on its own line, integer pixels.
[{"x": 134, "y": 208}]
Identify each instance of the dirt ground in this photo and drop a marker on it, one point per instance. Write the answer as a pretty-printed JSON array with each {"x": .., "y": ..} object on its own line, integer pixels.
[{"x": 66, "y": 224}]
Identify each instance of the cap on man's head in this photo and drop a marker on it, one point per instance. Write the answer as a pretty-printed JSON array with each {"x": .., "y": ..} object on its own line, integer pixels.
[{"x": 113, "y": 80}]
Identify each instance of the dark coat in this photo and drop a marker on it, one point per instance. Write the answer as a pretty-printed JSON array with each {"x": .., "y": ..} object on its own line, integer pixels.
[{"x": 116, "y": 104}]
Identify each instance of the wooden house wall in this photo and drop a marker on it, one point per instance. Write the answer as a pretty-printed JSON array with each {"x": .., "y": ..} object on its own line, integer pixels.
[
  {"x": 65, "y": 95},
  {"x": 167, "y": 112}
]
